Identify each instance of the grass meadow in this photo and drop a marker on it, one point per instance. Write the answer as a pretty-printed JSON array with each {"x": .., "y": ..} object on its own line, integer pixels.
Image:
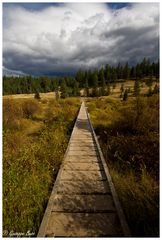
[
  {"x": 128, "y": 133},
  {"x": 35, "y": 138}
]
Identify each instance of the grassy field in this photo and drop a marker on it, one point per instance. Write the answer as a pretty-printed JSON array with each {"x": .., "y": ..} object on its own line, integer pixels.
[
  {"x": 35, "y": 137},
  {"x": 44, "y": 96},
  {"x": 128, "y": 133}
]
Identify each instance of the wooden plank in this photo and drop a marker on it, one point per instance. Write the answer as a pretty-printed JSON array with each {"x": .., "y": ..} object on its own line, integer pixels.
[
  {"x": 82, "y": 148},
  {"x": 83, "y": 225},
  {"x": 83, "y": 175},
  {"x": 82, "y": 152},
  {"x": 82, "y": 144},
  {"x": 82, "y": 166},
  {"x": 82, "y": 158},
  {"x": 83, "y": 187},
  {"x": 82, "y": 203}
]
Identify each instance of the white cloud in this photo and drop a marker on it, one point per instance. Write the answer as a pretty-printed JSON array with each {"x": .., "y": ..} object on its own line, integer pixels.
[{"x": 74, "y": 35}]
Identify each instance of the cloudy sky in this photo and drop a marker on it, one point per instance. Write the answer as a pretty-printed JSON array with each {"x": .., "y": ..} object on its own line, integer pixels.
[{"x": 52, "y": 38}]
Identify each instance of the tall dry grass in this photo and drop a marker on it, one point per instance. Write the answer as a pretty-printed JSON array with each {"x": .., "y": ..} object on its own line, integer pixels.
[
  {"x": 129, "y": 137},
  {"x": 32, "y": 155}
]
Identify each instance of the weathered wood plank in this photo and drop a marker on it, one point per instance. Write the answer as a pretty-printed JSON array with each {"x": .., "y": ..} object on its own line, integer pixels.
[
  {"x": 83, "y": 175},
  {"x": 82, "y": 203},
  {"x": 83, "y": 187},
  {"x": 83, "y": 225},
  {"x": 82, "y": 166}
]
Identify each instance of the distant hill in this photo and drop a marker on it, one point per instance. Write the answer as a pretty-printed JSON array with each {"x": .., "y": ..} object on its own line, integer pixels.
[{"x": 12, "y": 73}]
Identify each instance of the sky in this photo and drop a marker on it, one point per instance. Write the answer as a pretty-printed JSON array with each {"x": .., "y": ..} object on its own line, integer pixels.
[{"x": 60, "y": 38}]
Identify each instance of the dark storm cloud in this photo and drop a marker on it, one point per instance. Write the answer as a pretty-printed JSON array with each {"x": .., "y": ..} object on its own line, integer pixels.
[{"x": 67, "y": 37}]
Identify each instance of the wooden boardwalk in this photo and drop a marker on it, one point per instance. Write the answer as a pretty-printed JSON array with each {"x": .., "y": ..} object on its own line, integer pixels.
[{"x": 83, "y": 202}]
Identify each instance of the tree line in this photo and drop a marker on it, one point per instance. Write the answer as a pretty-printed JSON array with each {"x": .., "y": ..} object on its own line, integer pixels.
[{"x": 98, "y": 80}]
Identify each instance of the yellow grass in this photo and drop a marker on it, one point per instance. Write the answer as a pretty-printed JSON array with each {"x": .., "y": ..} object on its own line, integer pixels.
[
  {"x": 129, "y": 138},
  {"x": 49, "y": 95},
  {"x": 33, "y": 148}
]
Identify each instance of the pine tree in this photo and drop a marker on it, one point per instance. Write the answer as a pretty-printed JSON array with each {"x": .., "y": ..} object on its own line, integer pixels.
[
  {"x": 57, "y": 96},
  {"x": 95, "y": 91},
  {"x": 121, "y": 90},
  {"x": 64, "y": 89},
  {"x": 95, "y": 80},
  {"x": 156, "y": 89},
  {"x": 150, "y": 92},
  {"x": 101, "y": 77},
  {"x": 76, "y": 89},
  {"x": 156, "y": 70},
  {"x": 126, "y": 71},
  {"x": 136, "y": 88},
  {"x": 108, "y": 89},
  {"x": 125, "y": 96},
  {"x": 86, "y": 87},
  {"x": 107, "y": 74},
  {"x": 133, "y": 73},
  {"x": 149, "y": 81},
  {"x": 103, "y": 84},
  {"x": 138, "y": 72},
  {"x": 37, "y": 95}
]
